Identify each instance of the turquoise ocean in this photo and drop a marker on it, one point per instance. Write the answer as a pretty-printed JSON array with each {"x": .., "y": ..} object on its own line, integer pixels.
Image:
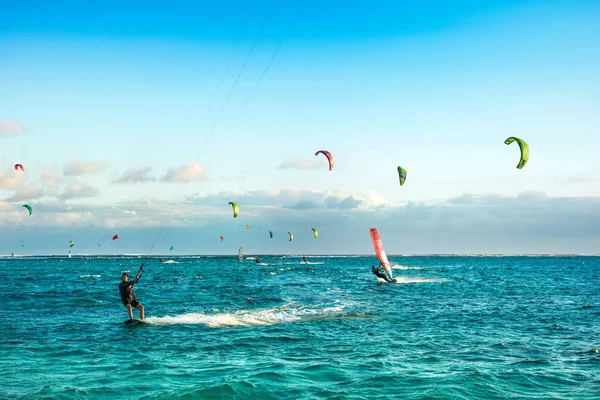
[{"x": 455, "y": 327}]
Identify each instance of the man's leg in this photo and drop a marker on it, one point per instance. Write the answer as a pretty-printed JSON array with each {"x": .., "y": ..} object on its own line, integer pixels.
[
  {"x": 141, "y": 308},
  {"x": 130, "y": 311}
]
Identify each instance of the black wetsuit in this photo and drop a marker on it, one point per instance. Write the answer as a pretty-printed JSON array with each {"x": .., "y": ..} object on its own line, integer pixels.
[
  {"x": 127, "y": 293},
  {"x": 379, "y": 274}
]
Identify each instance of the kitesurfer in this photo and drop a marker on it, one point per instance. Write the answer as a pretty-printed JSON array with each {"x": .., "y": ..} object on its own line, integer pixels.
[
  {"x": 304, "y": 260},
  {"x": 257, "y": 260},
  {"x": 379, "y": 274},
  {"x": 128, "y": 295}
]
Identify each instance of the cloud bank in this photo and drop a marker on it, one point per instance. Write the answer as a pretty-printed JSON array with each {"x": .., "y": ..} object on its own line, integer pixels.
[{"x": 528, "y": 223}]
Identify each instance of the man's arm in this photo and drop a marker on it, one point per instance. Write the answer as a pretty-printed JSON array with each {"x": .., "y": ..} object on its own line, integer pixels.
[{"x": 139, "y": 274}]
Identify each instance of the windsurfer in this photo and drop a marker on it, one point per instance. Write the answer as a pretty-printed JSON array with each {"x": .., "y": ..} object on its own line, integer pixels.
[
  {"x": 304, "y": 260},
  {"x": 257, "y": 260},
  {"x": 378, "y": 272}
]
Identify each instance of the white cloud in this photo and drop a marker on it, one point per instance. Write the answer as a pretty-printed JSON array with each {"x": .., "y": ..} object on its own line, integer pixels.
[
  {"x": 77, "y": 190},
  {"x": 27, "y": 193},
  {"x": 50, "y": 178},
  {"x": 11, "y": 128},
  {"x": 79, "y": 167},
  {"x": 11, "y": 179},
  {"x": 135, "y": 175},
  {"x": 304, "y": 163},
  {"x": 189, "y": 173}
]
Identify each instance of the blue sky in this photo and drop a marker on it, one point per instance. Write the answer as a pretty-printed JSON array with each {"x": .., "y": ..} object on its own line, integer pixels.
[{"x": 109, "y": 106}]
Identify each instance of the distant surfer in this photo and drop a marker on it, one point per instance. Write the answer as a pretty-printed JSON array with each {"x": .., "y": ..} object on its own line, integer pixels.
[
  {"x": 378, "y": 272},
  {"x": 128, "y": 295},
  {"x": 161, "y": 260},
  {"x": 304, "y": 260},
  {"x": 257, "y": 260}
]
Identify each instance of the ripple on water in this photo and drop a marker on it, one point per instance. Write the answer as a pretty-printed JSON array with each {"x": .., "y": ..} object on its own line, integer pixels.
[{"x": 456, "y": 328}]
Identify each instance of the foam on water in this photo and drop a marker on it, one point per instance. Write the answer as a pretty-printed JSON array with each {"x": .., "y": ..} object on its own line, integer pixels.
[
  {"x": 415, "y": 279},
  {"x": 245, "y": 318},
  {"x": 404, "y": 267}
]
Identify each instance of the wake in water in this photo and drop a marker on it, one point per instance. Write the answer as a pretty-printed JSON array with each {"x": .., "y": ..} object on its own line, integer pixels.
[
  {"x": 415, "y": 279},
  {"x": 249, "y": 318},
  {"x": 404, "y": 267},
  {"x": 411, "y": 279}
]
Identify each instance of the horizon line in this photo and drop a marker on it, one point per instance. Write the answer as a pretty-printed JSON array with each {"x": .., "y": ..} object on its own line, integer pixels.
[{"x": 140, "y": 255}]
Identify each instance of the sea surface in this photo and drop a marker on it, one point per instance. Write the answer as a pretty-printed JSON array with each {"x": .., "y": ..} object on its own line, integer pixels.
[{"x": 472, "y": 327}]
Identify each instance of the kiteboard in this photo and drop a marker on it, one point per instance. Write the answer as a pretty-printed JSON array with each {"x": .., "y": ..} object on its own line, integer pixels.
[{"x": 379, "y": 250}]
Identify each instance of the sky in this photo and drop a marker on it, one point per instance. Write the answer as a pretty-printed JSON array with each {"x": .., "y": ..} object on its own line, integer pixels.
[{"x": 147, "y": 119}]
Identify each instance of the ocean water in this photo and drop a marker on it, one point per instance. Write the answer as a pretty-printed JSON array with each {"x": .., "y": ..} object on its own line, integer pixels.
[{"x": 454, "y": 328}]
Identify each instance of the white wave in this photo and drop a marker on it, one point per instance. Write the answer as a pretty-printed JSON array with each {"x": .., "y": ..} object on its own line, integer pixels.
[
  {"x": 415, "y": 279},
  {"x": 89, "y": 276},
  {"x": 170, "y": 262},
  {"x": 244, "y": 318},
  {"x": 404, "y": 267}
]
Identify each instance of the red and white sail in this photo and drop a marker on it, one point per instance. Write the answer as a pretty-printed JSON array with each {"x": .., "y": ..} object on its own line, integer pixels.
[{"x": 379, "y": 250}]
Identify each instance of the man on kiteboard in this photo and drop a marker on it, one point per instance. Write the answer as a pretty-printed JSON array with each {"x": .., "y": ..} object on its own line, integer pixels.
[
  {"x": 379, "y": 274},
  {"x": 128, "y": 295}
]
